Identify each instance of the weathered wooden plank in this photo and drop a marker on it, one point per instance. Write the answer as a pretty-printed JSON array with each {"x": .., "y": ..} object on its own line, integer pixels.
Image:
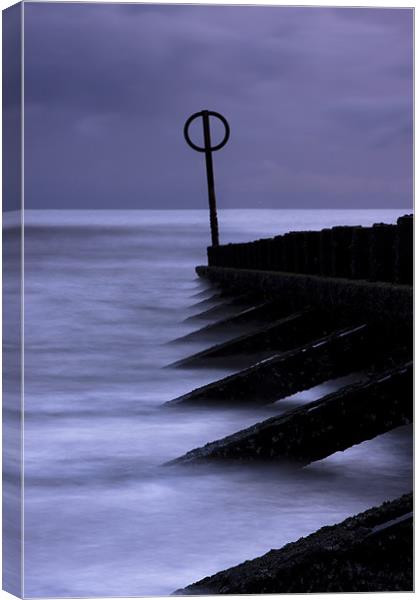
[
  {"x": 290, "y": 372},
  {"x": 370, "y": 552},
  {"x": 244, "y": 320},
  {"x": 335, "y": 422},
  {"x": 281, "y": 335},
  {"x": 370, "y": 300},
  {"x": 231, "y": 306}
]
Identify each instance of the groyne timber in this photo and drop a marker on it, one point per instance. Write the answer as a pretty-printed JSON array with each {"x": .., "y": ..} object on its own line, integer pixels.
[
  {"x": 371, "y": 552},
  {"x": 379, "y": 253},
  {"x": 311, "y": 307}
]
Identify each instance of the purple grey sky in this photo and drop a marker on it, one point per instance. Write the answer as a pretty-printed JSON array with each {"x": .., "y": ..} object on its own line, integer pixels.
[{"x": 319, "y": 101}]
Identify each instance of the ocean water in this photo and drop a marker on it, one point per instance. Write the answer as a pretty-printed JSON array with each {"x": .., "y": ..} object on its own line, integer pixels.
[{"x": 105, "y": 293}]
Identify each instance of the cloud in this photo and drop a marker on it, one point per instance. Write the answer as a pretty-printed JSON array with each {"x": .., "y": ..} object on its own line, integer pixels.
[{"x": 108, "y": 87}]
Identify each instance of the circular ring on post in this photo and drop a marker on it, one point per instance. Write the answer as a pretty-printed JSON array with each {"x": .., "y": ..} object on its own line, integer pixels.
[{"x": 201, "y": 114}]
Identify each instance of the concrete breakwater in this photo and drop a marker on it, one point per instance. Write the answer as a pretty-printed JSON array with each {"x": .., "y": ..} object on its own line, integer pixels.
[{"x": 312, "y": 307}]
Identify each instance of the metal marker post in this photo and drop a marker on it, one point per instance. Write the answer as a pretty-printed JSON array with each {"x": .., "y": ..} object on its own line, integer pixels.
[
  {"x": 208, "y": 149},
  {"x": 214, "y": 226}
]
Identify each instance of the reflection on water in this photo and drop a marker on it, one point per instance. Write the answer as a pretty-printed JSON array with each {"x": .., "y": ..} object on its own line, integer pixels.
[{"x": 104, "y": 294}]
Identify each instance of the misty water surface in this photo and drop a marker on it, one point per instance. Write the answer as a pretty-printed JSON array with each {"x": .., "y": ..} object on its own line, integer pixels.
[{"x": 104, "y": 294}]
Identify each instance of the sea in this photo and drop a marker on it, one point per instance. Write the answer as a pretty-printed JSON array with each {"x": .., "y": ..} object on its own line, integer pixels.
[{"x": 106, "y": 293}]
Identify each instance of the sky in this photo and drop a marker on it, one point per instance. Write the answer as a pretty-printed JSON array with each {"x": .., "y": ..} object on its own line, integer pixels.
[{"x": 319, "y": 101}]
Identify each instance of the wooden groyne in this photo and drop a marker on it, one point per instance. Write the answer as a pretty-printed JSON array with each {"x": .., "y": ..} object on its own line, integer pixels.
[
  {"x": 337, "y": 421},
  {"x": 371, "y": 552},
  {"x": 280, "y": 335},
  {"x": 302, "y": 330},
  {"x": 248, "y": 319},
  {"x": 343, "y": 352},
  {"x": 378, "y": 253},
  {"x": 375, "y": 300},
  {"x": 311, "y": 307}
]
